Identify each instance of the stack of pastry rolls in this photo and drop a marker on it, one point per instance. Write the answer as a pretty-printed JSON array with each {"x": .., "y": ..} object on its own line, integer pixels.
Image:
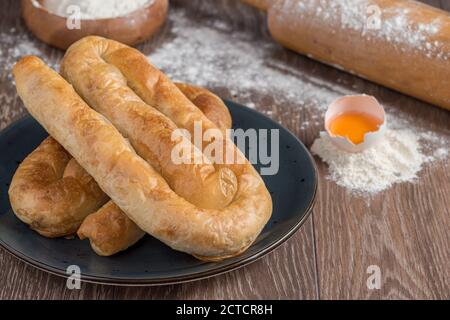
[{"x": 106, "y": 172}]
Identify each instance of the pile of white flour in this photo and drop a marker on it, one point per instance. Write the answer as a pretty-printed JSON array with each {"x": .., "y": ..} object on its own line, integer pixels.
[
  {"x": 95, "y": 9},
  {"x": 397, "y": 158}
]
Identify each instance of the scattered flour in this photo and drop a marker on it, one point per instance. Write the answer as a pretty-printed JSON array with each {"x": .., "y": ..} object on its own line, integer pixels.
[
  {"x": 17, "y": 45},
  {"x": 397, "y": 158},
  {"x": 440, "y": 153},
  {"x": 212, "y": 57},
  {"x": 95, "y": 9}
]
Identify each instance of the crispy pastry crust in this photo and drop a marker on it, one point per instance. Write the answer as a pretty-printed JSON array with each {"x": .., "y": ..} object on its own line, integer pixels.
[
  {"x": 108, "y": 229},
  {"x": 208, "y": 103},
  {"x": 51, "y": 194},
  {"x": 149, "y": 131},
  {"x": 132, "y": 183}
]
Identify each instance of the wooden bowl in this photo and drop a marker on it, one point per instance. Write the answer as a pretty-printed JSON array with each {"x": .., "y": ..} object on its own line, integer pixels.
[{"x": 129, "y": 29}]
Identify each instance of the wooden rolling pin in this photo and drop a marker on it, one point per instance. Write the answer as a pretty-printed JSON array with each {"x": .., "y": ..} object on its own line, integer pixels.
[{"x": 403, "y": 45}]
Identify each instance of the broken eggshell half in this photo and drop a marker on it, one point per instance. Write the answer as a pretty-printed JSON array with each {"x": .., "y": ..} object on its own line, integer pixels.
[{"x": 361, "y": 104}]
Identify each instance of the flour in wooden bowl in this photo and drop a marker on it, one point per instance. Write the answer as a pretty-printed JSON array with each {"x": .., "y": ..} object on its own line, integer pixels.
[{"x": 95, "y": 9}]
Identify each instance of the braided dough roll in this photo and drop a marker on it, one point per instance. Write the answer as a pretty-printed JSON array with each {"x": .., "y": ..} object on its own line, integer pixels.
[{"x": 132, "y": 183}]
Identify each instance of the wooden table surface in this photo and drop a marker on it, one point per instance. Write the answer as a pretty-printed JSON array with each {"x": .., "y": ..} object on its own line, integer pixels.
[{"x": 404, "y": 230}]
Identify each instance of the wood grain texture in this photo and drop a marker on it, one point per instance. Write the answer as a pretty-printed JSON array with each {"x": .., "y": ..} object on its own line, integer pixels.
[{"x": 403, "y": 230}]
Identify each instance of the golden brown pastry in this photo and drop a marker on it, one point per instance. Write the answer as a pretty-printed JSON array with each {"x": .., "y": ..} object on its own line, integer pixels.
[
  {"x": 209, "y": 104},
  {"x": 149, "y": 131},
  {"x": 109, "y": 229},
  {"x": 131, "y": 182},
  {"x": 51, "y": 193}
]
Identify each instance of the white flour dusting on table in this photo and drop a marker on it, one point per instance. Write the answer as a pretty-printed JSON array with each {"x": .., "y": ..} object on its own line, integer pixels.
[
  {"x": 213, "y": 57},
  {"x": 16, "y": 45},
  {"x": 19, "y": 44}
]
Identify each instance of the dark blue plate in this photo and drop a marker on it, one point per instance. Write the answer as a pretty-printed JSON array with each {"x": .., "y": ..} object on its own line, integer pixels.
[{"x": 150, "y": 262}]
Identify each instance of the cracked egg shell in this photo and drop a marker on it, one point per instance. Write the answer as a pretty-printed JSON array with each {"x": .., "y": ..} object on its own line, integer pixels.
[{"x": 361, "y": 104}]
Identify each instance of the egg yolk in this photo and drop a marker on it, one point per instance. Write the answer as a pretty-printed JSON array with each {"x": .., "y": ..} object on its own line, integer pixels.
[{"x": 354, "y": 125}]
